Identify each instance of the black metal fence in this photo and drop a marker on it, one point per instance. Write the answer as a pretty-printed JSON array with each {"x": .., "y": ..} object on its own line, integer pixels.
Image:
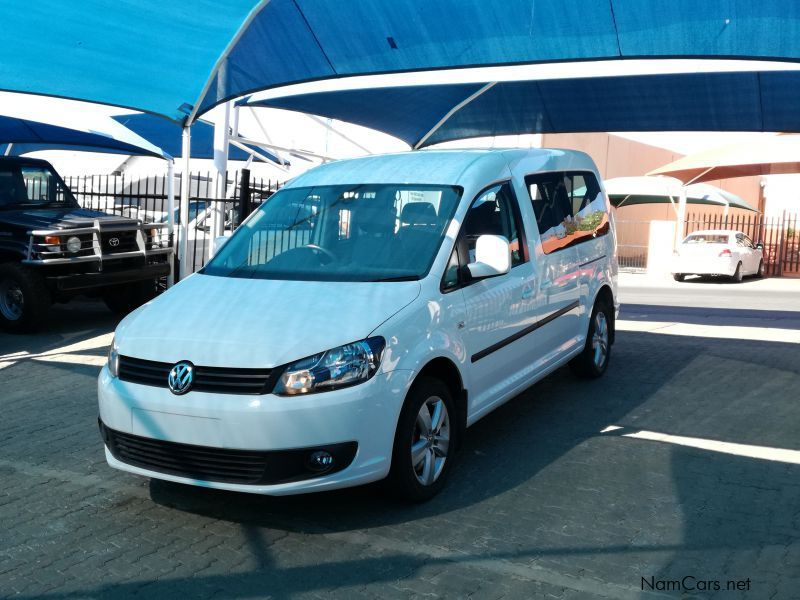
[{"x": 145, "y": 198}]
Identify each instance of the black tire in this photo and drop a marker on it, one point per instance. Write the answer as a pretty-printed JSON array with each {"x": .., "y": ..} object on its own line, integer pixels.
[
  {"x": 585, "y": 364},
  {"x": 760, "y": 272},
  {"x": 737, "y": 275},
  {"x": 122, "y": 299},
  {"x": 403, "y": 480},
  {"x": 678, "y": 276},
  {"x": 18, "y": 280}
]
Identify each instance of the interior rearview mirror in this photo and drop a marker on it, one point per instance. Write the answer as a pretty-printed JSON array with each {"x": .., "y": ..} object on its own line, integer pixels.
[{"x": 492, "y": 257}]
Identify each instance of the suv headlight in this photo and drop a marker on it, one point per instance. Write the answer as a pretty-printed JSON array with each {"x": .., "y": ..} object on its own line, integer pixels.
[
  {"x": 113, "y": 359},
  {"x": 336, "y": 368}
]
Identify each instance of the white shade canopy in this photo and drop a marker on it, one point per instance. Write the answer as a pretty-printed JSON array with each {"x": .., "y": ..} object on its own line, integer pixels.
[
  {"x": 628, "y": 191},
  {"x": 771, "y": 155}
]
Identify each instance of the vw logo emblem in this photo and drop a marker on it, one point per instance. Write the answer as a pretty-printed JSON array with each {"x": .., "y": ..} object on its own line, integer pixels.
[
  {"x": 113, "y": 242},
  {"x": 181, "y": 377}
]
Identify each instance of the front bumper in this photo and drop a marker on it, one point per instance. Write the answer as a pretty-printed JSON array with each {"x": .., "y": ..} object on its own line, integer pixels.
[
  {"x": 83, "y": 281},
  {"x": 364, "y": 414}
]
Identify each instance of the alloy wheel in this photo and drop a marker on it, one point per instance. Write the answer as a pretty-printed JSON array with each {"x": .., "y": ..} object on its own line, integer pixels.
[
  {"x": 600, "y": 339},
  {"x": 430, "y": 442}
]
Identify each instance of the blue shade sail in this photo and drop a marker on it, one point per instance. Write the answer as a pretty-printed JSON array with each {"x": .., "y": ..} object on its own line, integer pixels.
[
  {"x": 178, "y": 59},
  {"x": 167, "y": 136},
  {"x": 28, "y": 136},
  {"x": 737, "y": 101}
]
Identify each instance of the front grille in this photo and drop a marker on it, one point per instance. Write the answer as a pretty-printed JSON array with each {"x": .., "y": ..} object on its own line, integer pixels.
[
  {"x": 125, "y": 241},
  {"x": 249, "y": 467},
  {"x": 221, "y": 380}
]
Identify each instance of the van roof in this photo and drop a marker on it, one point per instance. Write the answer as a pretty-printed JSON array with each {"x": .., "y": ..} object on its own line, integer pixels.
[{"x": 443, "y": 167}]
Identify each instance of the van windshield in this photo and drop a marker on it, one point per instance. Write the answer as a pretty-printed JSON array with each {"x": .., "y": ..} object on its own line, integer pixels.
[{"x": 380, "y": 232}]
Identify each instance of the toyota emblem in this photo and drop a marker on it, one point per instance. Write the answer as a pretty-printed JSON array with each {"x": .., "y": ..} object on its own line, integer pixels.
[
  {"x": 113, "y": 242},
  {"x": 181, "y": 377}
]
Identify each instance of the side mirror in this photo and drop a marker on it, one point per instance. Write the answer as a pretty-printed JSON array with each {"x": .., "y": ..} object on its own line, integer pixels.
[
  {"x": 219, "y": 242},
  {"x": 759, "y": 246},
  {"x": 492, "y": 257}
]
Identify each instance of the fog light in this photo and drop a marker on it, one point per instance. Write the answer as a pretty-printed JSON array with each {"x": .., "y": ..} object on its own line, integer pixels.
[
  {"x": 74, "y": 244},
  {"x": 319, "y": 461}
]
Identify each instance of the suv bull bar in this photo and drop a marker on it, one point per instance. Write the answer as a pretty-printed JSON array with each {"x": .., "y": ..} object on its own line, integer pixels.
[{"x": 147, "y": 244}]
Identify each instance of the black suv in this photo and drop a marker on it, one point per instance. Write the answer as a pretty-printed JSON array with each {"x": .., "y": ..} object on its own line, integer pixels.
[{"x": 52, "y": 249}]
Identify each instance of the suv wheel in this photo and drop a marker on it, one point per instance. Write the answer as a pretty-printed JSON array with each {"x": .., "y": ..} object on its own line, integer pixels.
[
  {"x": 24, "y": 298},
  {"x": 122, "y": 299},
  {"x": 593, "y": 361},
  {"x": 425, "y": 441}
]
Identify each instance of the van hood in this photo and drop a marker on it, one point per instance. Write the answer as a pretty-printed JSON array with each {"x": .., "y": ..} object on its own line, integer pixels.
[{"x": 257, "y": 323}]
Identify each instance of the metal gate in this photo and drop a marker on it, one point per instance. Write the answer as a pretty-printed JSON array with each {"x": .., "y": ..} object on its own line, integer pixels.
[
  {"x": 633, "y": 238},
  {"x": 145, "y": 198}
]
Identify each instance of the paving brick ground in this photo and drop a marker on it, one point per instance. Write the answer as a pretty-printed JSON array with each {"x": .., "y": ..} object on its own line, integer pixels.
[{"x": 542, "y": 503}]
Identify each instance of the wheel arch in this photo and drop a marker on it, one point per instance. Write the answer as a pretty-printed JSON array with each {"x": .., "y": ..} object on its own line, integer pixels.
[
  {"x": 606, "y": 296},
  {"x": 445, "y": 370}
]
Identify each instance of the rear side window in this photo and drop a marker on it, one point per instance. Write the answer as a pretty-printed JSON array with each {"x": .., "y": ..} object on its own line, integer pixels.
[
  {"x": 569, "y": 208},
  {"x": 706, "y": 238}
]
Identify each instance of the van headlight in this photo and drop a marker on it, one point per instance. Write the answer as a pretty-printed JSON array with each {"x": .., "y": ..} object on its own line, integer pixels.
[
  {"x": 113, "y": 359},
  {"x": 336, "y": 368}
]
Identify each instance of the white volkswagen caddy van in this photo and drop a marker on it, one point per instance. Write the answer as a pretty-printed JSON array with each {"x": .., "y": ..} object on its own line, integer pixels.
[{"x": 362, "y": 318}]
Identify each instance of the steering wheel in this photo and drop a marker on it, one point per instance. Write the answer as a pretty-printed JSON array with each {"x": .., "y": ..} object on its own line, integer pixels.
[{"x": 331, "y": 256}]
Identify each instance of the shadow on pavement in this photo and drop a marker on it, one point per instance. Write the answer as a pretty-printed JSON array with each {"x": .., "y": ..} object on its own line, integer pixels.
[
  {"x": 540, "y": 464},
  {"x": 738, "y": 317},
  {"x": 72, "y": 322}
]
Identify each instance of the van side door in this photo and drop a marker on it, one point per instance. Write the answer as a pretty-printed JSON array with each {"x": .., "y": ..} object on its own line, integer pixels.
[
  {"x": 570, "y": 210},
  {"x": 497, "y": 309}
]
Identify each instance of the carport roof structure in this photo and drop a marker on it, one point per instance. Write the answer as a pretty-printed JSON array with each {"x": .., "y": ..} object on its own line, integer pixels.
[
  {"x": 428, "y": 114},
  {"x": 175, "y": 60},
  {"x": 167, "y": 135},
  {"x": 774, "y": 155},
  {"x": 630, "y": 191},
  {"x": 27, "y": 135}
]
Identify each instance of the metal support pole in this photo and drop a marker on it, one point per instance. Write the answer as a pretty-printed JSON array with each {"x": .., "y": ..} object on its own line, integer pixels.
[
  {"x": 171, "y": 218},
  {"x": 221, "y": 141},
  {"x": 186, "y": 183},
  {"x": 681, "y": 221}
]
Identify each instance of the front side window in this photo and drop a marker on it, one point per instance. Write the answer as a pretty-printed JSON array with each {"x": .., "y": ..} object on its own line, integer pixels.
[
  {"x": 570, "y": 208},
  {"x": 379, "y": 232},
  {"x": 494, "y": 212},
  {"x": 32, "y": 184}
]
